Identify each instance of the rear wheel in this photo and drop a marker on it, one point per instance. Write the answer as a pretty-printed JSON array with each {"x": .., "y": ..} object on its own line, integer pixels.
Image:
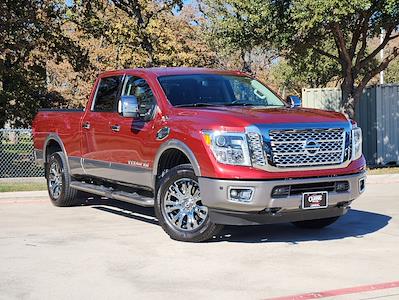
[
  {"x": 316, "y": 224},
  {"x": 58, "y": 181},
  {"x": 179, "y": 209}
]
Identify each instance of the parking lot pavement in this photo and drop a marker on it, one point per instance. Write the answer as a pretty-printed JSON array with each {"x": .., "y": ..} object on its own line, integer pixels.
[{"x": 108, "y": 249}]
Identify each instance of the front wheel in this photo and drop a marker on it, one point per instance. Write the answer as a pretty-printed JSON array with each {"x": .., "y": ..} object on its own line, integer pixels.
[
  {"x": 179, "y": 209},
  {"x": 316, "y": 224}
]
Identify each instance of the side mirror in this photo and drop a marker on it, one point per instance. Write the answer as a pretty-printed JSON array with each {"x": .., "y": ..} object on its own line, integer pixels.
[
  {"x": 130, "y": 107},
  {"x": 295, "y": 101}
]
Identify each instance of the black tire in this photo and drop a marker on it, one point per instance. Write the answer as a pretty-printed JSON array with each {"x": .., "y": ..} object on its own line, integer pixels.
[
  {"x": 65, "y": 195},
  {"x": 315, "y": 224},
  {"x": 206, "y": 229}
]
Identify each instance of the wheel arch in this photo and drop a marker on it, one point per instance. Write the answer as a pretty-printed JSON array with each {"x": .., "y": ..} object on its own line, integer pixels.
[
  {"x": 175, "y": 146},
  {"x": 53, "y": 143}
]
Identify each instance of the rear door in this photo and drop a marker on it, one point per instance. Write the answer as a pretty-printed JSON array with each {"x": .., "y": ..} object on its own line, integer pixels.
[{"x": 97, "y": 131}]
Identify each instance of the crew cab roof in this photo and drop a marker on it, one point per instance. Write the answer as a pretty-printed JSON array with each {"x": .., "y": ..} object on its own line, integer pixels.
[{"x": 167, "y": 71}]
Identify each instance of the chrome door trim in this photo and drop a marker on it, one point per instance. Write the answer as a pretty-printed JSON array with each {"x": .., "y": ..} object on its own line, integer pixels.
[{"x": 119, "y": 172}]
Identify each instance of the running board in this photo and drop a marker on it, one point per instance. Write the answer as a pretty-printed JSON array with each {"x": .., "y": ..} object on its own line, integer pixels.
[{"x": 133, "y": 198}]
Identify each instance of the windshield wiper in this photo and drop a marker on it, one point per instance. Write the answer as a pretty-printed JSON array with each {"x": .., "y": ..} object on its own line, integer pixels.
[
  {"x": 239, "y": 104},
  {"x": 200, "y": 104}
]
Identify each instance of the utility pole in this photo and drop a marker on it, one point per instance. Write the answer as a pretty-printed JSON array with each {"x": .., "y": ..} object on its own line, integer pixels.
[{"x": 382, "y": 54}]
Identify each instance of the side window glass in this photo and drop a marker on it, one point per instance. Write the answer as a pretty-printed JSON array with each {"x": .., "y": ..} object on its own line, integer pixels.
[
  {"x": 138, "y": 87},
  {"x": 106, "y": 96}
]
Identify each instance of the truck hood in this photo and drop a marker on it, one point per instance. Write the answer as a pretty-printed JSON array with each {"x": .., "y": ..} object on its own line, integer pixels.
[{"x": 245, "y": 116}]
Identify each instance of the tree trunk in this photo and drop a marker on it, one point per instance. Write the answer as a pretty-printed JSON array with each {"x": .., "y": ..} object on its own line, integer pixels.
[
  {"x": 350, "y": 97},
  {"x": 246, "y": 63},
  {"x": 147, "y": 46}
]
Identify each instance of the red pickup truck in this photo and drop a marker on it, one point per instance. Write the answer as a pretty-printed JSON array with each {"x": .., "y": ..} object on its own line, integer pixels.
[{"x": 205, "y": 148}]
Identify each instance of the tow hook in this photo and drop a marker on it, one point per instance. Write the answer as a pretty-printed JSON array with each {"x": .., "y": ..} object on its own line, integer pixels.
[
  {"x": 345, "y": 204},
  {"x": 273, "y": 211}
]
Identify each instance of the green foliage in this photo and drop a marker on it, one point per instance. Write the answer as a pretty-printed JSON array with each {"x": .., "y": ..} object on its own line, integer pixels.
[
  {"x": 240, "y": 30},
  {"x": 309, "y": 69},
  {"x": 321, "y": 40},
  {"x": 348, "y": 25}
]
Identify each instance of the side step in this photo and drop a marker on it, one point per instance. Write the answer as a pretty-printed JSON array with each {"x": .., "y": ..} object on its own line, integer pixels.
[{"x": 133, "y": 198}]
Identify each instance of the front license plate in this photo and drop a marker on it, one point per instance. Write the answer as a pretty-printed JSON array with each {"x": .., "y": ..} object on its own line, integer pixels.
[{"x": 314, "y": 200}]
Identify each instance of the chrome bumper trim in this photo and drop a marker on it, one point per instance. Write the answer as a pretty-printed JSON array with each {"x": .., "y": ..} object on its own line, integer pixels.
[{"x": 214, "y": 193}]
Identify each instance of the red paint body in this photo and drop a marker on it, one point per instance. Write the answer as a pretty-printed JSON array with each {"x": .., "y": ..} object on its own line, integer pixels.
[{"x": 136, "y": 142}]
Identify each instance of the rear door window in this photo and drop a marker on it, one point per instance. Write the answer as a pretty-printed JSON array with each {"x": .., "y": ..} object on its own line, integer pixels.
[{"x": 107, "y": 93}]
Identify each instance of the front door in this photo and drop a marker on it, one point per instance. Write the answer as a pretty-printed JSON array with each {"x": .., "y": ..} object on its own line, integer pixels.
[{"x": 134, "y": 140}]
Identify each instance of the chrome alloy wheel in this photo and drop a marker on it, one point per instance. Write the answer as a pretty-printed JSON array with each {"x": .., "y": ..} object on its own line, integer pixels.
[
  {"x": 182, "y": 205},
  {"x": 55, "y": 180}
]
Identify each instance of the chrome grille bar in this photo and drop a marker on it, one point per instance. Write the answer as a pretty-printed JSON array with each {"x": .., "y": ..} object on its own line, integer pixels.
[
  {"x": 256, "y": 148},
  {"x": 307, "y": 147}
]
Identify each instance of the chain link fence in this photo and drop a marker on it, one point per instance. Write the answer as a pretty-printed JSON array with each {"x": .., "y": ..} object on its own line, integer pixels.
[{"x": 16, "y": 154}]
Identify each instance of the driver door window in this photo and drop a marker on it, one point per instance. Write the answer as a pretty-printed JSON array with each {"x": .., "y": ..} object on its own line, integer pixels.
[{"x": 138, "y": 87}]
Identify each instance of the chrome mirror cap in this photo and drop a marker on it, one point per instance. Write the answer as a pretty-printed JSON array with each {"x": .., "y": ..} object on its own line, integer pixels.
[
  {"x": 295, "y": 101},
  {"x": 130, "y": 107}
]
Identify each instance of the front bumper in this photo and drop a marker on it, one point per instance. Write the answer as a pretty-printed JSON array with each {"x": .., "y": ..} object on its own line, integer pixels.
[{"x": 215, "y": 195}]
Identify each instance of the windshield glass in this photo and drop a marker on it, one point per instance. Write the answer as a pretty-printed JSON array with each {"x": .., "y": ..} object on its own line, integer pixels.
[{"x": 214, "y": 89}]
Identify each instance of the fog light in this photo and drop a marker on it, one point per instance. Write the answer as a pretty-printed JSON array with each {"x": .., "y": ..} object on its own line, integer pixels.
[
  {"x": 240, "y": 194},
  {"x": 341, "y": 186},
  {"x": 281, "y": 191}
]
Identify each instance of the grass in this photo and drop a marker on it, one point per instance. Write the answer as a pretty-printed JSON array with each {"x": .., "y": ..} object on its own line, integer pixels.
[
  {"x": 382, "y": 171},
  {"x": 22, "y": 186}
]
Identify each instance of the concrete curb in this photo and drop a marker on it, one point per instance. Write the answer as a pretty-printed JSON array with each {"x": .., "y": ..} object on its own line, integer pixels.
[
  {"x": 23, "y": 179},
  {"x": 24, "y": 195}
]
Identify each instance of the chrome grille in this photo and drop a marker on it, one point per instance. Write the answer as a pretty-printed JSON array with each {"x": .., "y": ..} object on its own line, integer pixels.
[
  {"x": 255, "y": 148},
  {"x": 309, "y": 147}
]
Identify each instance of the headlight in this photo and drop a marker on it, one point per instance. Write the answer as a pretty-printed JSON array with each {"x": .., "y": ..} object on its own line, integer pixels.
[
  {"x": 228, "y": 147},
  {"x": 356, "y": 143}
]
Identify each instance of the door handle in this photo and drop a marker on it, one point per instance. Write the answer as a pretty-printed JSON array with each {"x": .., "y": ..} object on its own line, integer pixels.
[
  {"x": 115, "y": 128},
  {"x": 86, "y": 125}
]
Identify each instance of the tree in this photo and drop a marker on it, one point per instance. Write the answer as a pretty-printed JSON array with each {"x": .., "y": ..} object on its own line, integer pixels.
[
  {"x": 335, "y": 31},
  {"x": 236, "y": 31},
  {"x": 303, "y": 71},
  {"x": 349, "y": 26},
  {"x": 142, "y": 15},
  {"x": 111, "y": 39},
  {"x": 31, "y": 33}
]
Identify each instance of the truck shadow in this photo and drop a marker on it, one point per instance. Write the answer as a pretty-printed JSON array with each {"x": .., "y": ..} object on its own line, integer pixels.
[{"x": 356, "y": 223}]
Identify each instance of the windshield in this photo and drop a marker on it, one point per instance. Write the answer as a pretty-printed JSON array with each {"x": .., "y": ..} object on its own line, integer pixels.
[{"x": 214, "y": 89}]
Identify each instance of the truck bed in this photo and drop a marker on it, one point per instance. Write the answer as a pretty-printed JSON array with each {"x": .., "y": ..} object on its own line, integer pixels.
[{"x": 66, "y": 123}]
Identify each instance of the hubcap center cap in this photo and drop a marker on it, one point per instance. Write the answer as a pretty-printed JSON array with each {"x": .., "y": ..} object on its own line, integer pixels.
[{"x": 189, "y": 203}]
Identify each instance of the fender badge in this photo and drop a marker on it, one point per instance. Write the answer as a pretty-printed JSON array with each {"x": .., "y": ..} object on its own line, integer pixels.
[{"x": 163, "y": 133}]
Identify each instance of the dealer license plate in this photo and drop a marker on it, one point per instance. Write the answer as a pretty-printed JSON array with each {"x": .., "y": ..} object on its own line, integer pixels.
[{"x": 314, "y": 200}]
